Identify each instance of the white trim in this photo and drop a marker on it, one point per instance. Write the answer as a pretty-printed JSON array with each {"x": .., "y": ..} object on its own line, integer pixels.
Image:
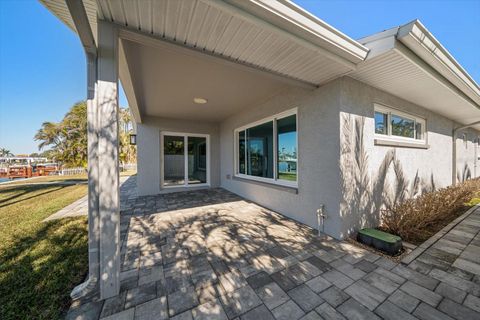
[
  {"x": 185, "y": 136},
  {"x": 388, "y": 111},
  {"x": 274, "y": 180},
  {"x": 297, "y": 25},
  {"x": 418, "y": 39}
]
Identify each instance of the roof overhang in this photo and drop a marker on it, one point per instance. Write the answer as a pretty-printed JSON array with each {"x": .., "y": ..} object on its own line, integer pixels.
[
  {"x": 276, "y": 36},
  {"x": 408, "y": 62},
  {"x": 280, "y": 38}
]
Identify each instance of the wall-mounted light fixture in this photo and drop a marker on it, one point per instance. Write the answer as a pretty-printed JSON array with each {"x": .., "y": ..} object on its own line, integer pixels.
[
  {"x": 199, "y": 100},
  {"x": 133, "y": 139}
]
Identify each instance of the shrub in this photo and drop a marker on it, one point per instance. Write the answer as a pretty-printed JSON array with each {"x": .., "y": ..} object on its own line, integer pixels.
[{"x": 417, "y": 219}]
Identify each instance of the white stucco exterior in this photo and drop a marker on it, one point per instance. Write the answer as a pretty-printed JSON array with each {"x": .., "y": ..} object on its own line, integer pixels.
[{"x": 329, "y": 159}]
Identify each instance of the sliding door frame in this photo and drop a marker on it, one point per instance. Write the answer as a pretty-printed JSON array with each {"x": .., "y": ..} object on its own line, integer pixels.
[{"x": 185, "y": 136}]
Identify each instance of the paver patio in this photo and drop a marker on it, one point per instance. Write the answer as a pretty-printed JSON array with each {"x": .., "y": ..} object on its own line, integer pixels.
[{"x": 210, "y": 254}]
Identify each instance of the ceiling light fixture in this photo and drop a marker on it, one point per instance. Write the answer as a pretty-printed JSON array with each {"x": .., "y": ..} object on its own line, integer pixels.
[{"x": 200, "y": 100}]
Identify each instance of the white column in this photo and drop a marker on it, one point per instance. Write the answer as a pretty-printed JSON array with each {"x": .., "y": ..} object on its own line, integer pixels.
[
  {"x": 93, "y": 212},
  {"x": 108, "y": 165},
  {"x": 148, "y": 159},
  {"x": 91, "y": 284}
]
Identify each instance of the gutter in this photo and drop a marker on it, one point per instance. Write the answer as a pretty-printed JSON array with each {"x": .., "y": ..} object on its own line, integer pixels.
[
  {"x": 454, "y": 149},
  {"x": 289, "y": 27},
  {"x": 417, "y": 38}
]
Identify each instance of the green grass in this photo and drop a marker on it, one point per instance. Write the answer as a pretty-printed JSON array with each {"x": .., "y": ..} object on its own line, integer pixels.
[
  {"x": 474, "y": 201},
  {"x": 40, "y": 262},
  {"x": 48, "y": 179},
  {"x": 287, "y": 176}
]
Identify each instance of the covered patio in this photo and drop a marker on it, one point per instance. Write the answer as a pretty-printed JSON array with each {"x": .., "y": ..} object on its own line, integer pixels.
[
  {"x": 187, "y": 67},
  {"x": 209, "y": 254}
]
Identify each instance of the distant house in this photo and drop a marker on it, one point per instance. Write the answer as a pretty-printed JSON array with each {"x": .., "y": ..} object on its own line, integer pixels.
[{"x": 219, "y": 89}]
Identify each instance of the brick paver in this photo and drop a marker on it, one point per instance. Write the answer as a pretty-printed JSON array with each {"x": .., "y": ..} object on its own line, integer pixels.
[{"x": 210, "y": 254}]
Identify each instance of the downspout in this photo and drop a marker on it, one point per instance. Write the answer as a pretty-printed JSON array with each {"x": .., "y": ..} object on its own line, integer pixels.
[
  {"x": 82, "y": 26},
  {"x": 454, "y": 149}
]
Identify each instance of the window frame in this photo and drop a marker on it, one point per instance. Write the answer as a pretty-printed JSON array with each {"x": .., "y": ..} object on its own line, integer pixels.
[
  {"x": 389, "y": 136},
  {"x": 275, "y": 179}
]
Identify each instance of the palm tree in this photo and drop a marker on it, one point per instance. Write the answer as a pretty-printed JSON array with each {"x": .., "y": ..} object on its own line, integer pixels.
[
  {"x": 127, "y": 151},
  {"x": 48, "y": 135},
  {"x": 67, "y": 139},
  {"x": 5, "y": 153}
]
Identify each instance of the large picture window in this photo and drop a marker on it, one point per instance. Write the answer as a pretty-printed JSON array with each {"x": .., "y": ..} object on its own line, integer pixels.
[
  {"x": 267, "y": 150},
  {"x": 396, "y": 125}
]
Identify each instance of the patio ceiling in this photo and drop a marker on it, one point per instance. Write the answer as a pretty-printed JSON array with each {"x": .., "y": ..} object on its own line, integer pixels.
[{"x": 166, "y": 78}]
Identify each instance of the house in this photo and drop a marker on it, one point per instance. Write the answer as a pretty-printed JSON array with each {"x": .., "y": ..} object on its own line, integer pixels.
[{"x": 268, "y": 101}]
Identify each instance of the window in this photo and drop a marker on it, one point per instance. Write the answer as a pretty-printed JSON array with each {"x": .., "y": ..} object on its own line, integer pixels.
[
  {"x": 381, "y": 122},
  {"x": 396, "y": 125},
  {"x": 267, "y": 150}
]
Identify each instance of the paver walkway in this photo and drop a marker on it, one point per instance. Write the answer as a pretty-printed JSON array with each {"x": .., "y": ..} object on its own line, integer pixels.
[
  {"x": 80, "y": 207},
  {"x": 212, "y": 255},
  {"x": 455, "y": 249}
]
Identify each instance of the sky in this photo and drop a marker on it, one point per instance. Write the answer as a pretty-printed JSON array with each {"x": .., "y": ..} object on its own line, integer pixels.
[{"x": 43, "y": 72}]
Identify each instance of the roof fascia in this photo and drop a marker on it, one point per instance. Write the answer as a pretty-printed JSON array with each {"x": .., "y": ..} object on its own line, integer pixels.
[
  {"x": 267, "y": 15},
  {"x": 431, "y": 72},
  {"x": 417, "y": 38},
  {"x": 312, "y": 24}
]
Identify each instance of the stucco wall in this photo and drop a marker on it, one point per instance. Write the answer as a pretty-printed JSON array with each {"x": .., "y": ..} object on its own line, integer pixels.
[
  {"x": 373, "y": 174},
  {"x": 339, "y": 165},
  {"x": 148, "y": 150},
  {"x": 318, "y": 149}
]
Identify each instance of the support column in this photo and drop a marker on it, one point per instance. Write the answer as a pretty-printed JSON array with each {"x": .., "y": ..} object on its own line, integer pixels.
[
  {"x": 91, "y": 284},
  {"x": 93, "y": 210},
  {"x": 108, "y": 164}
]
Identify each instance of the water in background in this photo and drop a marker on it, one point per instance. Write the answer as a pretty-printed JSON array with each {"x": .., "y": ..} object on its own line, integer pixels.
[{"x": 4, "y": 179}]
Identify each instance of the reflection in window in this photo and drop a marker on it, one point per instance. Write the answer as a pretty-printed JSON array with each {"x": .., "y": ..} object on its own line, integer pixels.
[
  {"x": 287, "y": 148},
  {"x": 257, "y": 155},
  {"x": 381, "y": 120},
  {"x": 241, "y": 152},
  {"x": 403, "y": 127},
  {"x": 260, "y": 150},
  {"x": 398, "y": 125},
  {"x": 173, "y": 162},
  {"x": 418, "y": 131},
  {"x": 197, "y": 160}
]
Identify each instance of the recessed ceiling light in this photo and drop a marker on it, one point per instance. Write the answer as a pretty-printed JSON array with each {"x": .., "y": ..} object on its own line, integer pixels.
[{"x": 200, "y": 100}]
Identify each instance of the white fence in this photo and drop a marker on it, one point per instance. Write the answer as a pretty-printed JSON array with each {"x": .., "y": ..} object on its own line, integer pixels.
[
  {"x": 128, "y": 166},
  {"x": 72, "y": 171},
  {"x": 81, "y": 170}
]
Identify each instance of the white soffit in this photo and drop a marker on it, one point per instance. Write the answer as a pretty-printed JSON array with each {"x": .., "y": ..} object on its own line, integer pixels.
[
  {"x": 278, "y": 37},
  {"x": 425, "y": 76}
]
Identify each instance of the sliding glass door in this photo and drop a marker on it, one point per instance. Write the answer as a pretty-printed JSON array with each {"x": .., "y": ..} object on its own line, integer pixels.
[
  {"x": 173, "y": 161},
  {"x": 185, "y": 159}
]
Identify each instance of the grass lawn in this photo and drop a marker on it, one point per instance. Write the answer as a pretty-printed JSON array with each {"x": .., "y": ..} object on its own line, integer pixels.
[
  {"x": 287, "y": 176},
  {"x": 40, "y": 262},
  {"x": 51, "y": 179},
  {"x": 48, "y": 179}
]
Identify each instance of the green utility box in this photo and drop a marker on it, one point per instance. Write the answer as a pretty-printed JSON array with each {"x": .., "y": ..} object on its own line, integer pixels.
[{"x": 380, "y": 240}]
